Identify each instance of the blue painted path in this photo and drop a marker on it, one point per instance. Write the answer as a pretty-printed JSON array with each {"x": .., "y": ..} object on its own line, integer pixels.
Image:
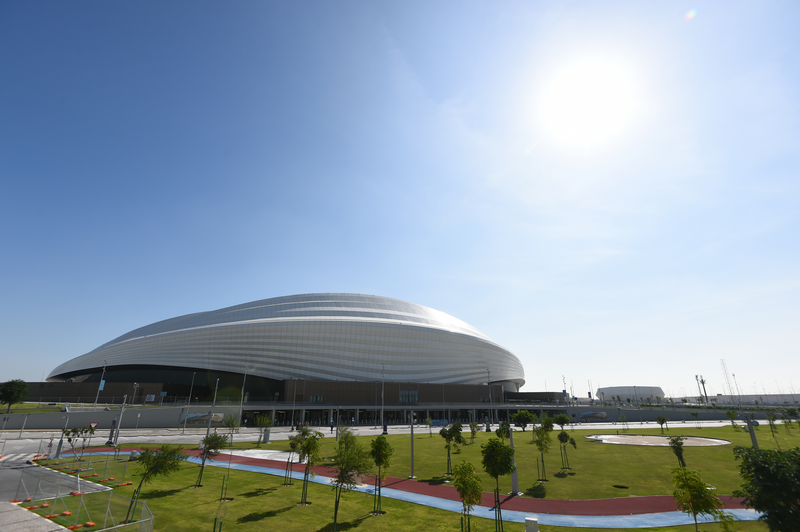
[{"x": 579, "y": 521}]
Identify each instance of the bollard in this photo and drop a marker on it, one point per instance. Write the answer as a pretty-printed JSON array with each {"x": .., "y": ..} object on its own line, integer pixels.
[{"x": 531, "y": 524}]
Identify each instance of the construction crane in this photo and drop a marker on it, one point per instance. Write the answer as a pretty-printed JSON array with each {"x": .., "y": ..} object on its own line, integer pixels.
[
  {"x": 700, "y": 380},
  {"x": 725, "y": 374}
]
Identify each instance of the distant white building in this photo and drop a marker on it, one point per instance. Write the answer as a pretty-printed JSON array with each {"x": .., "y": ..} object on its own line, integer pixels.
[{"x": 636, "y": 394}]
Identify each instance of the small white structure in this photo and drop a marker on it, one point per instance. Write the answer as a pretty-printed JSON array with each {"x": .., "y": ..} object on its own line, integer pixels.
[{"x": 531, "y": 524}]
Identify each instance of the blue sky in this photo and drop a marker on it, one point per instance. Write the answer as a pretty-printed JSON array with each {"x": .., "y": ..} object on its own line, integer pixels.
[{"x": 608, "y": 189}]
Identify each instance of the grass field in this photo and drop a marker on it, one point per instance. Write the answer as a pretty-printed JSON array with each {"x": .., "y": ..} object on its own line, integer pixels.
[
  {"x": 595, "y": 467},
  {"x": 260, "y": 501}
]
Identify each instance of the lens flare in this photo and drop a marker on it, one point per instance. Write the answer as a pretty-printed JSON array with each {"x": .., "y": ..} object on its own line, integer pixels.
[{"x": 691, "y": 14}]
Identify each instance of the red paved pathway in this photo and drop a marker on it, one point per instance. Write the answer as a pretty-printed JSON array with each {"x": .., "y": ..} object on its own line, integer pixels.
[{"x": 617, "y": 506}]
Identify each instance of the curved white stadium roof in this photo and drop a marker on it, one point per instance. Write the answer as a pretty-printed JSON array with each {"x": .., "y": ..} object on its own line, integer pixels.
[{"x": 314, "y": 336}]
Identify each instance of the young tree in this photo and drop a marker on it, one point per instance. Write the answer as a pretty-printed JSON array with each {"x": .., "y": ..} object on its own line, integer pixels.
[
  {"x": 771, "y": 421},
  {"x": 153, "y": 463},
  {"x": 353, "y": 461},
  {"x": 498, "y": 460},
  {"x": 473, "y": 430},
  {"x": 623, "y": 421},
  {"x": 771, "y": 485},
  {"x": 74, "y": 436},
  {"x": 452, "y": 439},
  {"x": 381, "y": 453},
  {"x": 502, "y": 431},
  {"x": 661, "y": 421},
  {"x": 695, "y": 497},
  {"x": 523, "y": 418},
  {"x": 294, "y": 447},
  {"x": 263, "y": 422},
  {"x": 696, "y": 417},
  {"x": 429, "y": 422},
  {"x": 792, "y": 413},
  {"x": 562, "y": 420},
  {"x": 308, "y": 449},
  {"x": 731, "y": 416},
  {"x": 13, "y": 392},
  {"x": 542, "y": 442},
  {"x": 564, "y": 439},
  {"x": 211, "y": 448},
  {"x": 676, "y": 444},
  {"x": 232, "y": 422},
  {"x": 469, "y": 488}
]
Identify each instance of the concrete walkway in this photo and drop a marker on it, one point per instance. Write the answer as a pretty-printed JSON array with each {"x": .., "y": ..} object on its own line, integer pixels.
[{"x": 17, "y": 518}]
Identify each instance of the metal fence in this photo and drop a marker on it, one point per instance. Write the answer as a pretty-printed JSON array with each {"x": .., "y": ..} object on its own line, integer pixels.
[{"x": 69, "y": 501}]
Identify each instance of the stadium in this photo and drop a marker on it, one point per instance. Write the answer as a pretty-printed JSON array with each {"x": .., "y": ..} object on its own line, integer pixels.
[{"x": 311, "y": 349}]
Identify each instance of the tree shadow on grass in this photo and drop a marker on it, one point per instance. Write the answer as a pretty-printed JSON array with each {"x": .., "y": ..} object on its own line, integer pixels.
[
  {"x": 258, "y": 516},
  {"x": 157, "y": 494},
  {"x": 537, "y": 491},
  {"x": 258, "y": 492},
  {"x": 347, "y": 525},
  {"x": 435, "y": 480}
]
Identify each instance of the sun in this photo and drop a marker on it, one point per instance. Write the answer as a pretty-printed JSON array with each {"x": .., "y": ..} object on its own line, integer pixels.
[{"x": 589, "y": 104}]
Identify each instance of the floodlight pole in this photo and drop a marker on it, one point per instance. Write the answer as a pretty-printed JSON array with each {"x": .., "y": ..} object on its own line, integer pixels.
[
  {"x": 241, "y": 402},
  {"x": 121, "y": 412},
  {"x": 514, "y": 480},
  {"x": 294, "y": 399},
  {"x": 383, "y": 387},
  {"x": 491, "y": 404},
  {"x": 188, "y": 403},
  {"x": 100, "y": 386},
  {"x": 413, "y": 415},
  {"x": 211, "y": 412}
]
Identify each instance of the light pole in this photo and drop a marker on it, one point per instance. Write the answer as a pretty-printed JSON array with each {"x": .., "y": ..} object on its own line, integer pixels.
[
  {"x": 61, "y": 441},
  {"x": 383, "y": 387},
  {"x": 102, "y": 383},
  {"x": 188, "y": 403},
  {"x": 241, "y": 401},
  {"x": 491, "y": 404},
  {"x": 413, "y": 419},
  {"x": 135, "y": 386},
  {"x": 211, "y": 412},
  {"x": 294, "y": 398}
]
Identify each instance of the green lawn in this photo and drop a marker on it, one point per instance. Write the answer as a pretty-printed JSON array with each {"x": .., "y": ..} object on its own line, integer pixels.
[
  {"x": 260, "y": 502},
  {"x": 596, "y": 467}
]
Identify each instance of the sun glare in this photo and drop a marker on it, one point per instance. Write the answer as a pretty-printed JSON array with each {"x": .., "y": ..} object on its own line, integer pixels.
[{"x": 589, "y": 104}]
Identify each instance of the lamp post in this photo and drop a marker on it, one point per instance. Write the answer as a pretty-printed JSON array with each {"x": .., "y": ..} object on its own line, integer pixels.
[
  {"x": 491, "y": 404},
  {"x": 61, "y": 441},
  {"x": 383, "y": 387},
  {"x": 100, "y": 386},
  {"x": 241, "y": 401},
  {"x": 135, "y": 386},
  {"x": 211, "y": 412},
  {"x": 188, "y": 403},
  {"x": 294, "y": 399},
  {"x": 413, "y": 419}
]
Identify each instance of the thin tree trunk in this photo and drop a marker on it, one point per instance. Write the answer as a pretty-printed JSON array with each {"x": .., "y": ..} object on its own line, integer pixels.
[
  {"x": 336, "y": 508},
  {"x": 380, "y": 484}
]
